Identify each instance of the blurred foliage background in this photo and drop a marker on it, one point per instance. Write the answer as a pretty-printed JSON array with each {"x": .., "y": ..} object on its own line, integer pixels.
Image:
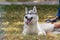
[
  {"x": 16, "y": 12},
  {"x": 21, "y": 0}
]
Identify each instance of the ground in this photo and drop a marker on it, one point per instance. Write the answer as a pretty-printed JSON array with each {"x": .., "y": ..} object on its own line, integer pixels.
[{"x": 13, "y": 31}]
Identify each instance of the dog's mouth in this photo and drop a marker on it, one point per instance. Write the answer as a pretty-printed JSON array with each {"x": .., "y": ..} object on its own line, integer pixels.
[{"x": 29, "y": 21}]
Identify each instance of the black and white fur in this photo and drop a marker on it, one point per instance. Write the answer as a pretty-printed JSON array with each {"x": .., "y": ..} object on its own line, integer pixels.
[{"x": 32, "y": 26}]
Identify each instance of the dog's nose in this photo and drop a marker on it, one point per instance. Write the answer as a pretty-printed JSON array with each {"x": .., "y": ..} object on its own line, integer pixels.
[{"x": 26, "y": 17}]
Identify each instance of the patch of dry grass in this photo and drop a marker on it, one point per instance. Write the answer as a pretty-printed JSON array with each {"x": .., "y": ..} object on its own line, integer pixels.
[{"x": 13, "y": 32}]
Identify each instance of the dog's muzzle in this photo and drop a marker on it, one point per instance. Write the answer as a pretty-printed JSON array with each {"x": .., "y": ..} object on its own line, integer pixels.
[{"x": 28, "y": 20}]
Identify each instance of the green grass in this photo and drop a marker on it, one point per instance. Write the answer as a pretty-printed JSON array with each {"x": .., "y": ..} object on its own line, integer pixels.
[
  {"x": 9, "y": 33},
  {"x": 17, "y": 12}
]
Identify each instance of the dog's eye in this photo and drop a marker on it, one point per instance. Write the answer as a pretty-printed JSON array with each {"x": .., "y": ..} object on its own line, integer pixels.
[
  {"x": 26, "y": 17},
  {"x": 31, "y": 17},
  {"x": 30, "y": 13}
]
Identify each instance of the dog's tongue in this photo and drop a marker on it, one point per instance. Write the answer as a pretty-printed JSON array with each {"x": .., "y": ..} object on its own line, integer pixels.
[{"x": 28, "y": 21}]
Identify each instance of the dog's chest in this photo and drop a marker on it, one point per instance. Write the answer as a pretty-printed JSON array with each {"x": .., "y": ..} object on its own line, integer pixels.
[{"x": 32, "y": 29}]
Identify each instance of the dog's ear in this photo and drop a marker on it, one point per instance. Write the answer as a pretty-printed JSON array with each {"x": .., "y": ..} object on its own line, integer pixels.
[
  {"x": 34, "y": 9},
  {"x": 26, "y": 10}
]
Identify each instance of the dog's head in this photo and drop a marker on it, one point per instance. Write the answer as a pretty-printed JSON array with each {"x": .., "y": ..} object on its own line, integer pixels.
[{"x": 30, "y": 16}]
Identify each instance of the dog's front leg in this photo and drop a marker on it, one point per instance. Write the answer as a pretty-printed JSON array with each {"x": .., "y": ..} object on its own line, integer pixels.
[
  {"x": 40, "y": 30},
  {"x": 25, "y": 32}
]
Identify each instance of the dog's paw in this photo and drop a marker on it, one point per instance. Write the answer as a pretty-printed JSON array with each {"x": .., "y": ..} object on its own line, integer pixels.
[
  {"x": 24, "y": 34},
  {"x": 41, "y": 33}
]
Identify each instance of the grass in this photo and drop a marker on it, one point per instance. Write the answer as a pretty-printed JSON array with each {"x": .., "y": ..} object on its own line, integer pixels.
[
  {"x": 14, "y": 32},
  {"x": 17, "y": 12}
]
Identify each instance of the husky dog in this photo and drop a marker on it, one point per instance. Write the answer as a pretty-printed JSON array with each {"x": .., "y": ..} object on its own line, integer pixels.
[{"x": 31, "y": 25}]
